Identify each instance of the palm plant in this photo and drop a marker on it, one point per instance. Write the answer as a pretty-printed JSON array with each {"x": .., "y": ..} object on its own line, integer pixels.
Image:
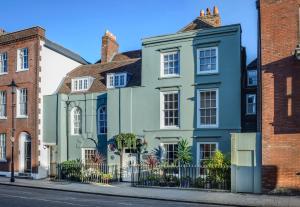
[{"x": 184, "y": 152}]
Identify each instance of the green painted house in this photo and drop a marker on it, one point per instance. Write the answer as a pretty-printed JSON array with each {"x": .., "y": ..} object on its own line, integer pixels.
[
  {"x": 75, "y": 121},
  {"x": 190, "y": 88},
  {"x": 185, "y": 85}
]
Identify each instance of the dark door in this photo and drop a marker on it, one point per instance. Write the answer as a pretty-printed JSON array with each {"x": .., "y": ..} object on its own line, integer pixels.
[{"x": 27, "y": 162}]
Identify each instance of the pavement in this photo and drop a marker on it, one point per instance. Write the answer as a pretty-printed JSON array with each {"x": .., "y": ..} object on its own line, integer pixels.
[
  {"x": 159, "y": 194},
  {"x": 13, "y": 196}
]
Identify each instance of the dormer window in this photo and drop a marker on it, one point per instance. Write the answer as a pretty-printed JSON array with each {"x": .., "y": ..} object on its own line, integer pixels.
[
  {"x": 116, "y": 80},
  {"x": 81, "y": 84}
]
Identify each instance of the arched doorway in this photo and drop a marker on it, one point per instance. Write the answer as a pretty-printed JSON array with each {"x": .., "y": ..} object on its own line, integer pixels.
[{"x": 25, "y": 153}]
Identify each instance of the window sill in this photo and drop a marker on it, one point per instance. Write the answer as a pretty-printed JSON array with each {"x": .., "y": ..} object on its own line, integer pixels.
[
  {"x": 208, "y": 127},
  {"x": 22, "y": 70},
  {"x": 21, "y": 117},
  {"x": 4, "y": 73},
  {"x": 168, "y": 77},
  {"x": 75, "y": 134},
  {"x": 3, "y": 117},
  {"x": 208, "y": 73},
  {"x": 3, "y": 160},
  {"x": 170, "y": 127}
]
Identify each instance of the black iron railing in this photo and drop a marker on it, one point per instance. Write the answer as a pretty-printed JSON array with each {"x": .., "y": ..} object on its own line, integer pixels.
[
  {"x": 84, "y": 172},
  {"x": 188, "y": 176}
]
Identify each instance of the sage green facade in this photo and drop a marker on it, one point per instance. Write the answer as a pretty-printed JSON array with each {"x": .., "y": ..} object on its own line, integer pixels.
[
  {"x": 137, "y": 109},
  {"x": 57, "y": 124}
]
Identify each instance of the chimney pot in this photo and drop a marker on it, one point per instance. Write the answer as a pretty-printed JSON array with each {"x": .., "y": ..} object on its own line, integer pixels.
[
  {"x": 216, "y": 11},
  {"x": 202, "y": 14},
  {"x": 208, "y": 13}
]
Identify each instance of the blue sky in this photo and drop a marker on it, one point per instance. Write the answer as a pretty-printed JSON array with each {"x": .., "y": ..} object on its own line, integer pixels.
[{"x": 79, "y": 25}]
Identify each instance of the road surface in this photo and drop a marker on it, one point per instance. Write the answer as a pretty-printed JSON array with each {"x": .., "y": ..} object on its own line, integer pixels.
[{"x": 13, "y": 196}]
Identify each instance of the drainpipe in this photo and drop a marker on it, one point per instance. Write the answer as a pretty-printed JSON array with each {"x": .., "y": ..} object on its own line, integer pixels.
[
  {"x": 119, "y": 110},
  {"x": 56, "y": 120},
  {"x": 85, "y": 131},
  {"x": 67, "y": 127}
]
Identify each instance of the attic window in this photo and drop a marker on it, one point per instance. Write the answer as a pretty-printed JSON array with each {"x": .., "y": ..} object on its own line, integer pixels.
[
  {"x": 81, "y": 84},
  {"x": 116, "y": 80}
]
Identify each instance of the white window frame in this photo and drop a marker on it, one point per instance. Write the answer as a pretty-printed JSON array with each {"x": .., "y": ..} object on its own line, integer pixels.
[
  {"x": 198, "y": 150},
  {"x": 164, "y": 155},
  {"x": 199, "y": 125},
  {"x": 162, "y": 68},
  {"x": 3, "y": 104},
  {"x": 3, "y": 147},
  {"x": 83, "y": 153},
  {"x": 247, "y": 104},
  {"x": 100, "y": 122},
  {"x": 21, "y": 59},
  {"x": 81, "y": 84},
  {"x": 162, "y": 116},
  {"x": 198, "y": 61},
  {"x": 73, "y": 121},
  {"x": 248, "y": 77},
  {"x": 19, "y": 115},
  {"x": 3, "y": 63},
  {"x": 111, "y": 77}
]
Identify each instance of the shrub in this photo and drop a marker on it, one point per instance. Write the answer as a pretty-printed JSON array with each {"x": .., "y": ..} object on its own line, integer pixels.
[
  {"x": 71, "y": 170},
  {"x": 218, "y": 168}
]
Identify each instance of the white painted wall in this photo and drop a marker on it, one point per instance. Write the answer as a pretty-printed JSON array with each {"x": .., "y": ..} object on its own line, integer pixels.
[{"x": 54, "y": 68}]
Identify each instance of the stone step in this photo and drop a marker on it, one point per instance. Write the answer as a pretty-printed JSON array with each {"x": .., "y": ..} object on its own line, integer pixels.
[{"x": 24, "y": 176}]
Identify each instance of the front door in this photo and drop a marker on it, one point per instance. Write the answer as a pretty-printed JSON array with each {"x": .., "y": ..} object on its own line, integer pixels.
[
  {"x": 27, "y": 157},
  {"x": 129, "y": 164}
]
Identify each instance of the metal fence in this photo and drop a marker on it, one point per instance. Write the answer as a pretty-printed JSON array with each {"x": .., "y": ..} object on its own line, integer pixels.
[
  {"x": 188, "y": 176},
  {"x": 85, "y": 172}
]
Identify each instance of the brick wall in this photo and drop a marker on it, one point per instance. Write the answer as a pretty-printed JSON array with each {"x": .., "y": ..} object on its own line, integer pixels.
[
  {"x": 280, "y": 94},
  {"x": 25, "y": 79}
]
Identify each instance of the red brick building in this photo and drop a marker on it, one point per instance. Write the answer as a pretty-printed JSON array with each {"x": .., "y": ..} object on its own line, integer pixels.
[
  {"x": 280, "y": 94},
  {"x": 37, "y": 65}
]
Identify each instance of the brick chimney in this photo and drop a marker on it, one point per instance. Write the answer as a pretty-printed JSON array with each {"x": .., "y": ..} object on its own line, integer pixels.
[
  {"x": 2, "y": 31},
  {"x": 110, "y": 47},
  {"x": 213, "y": 19}
]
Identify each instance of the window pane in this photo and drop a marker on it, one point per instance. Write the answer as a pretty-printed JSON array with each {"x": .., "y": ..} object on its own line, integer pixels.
[
  {"x": 208, "y": 108},
  {"x": 171, "y": 110},
  {"x": 208, "y": 60},
  {"x": 2, "y": 146},
  {"x": 170, "y": 64}
]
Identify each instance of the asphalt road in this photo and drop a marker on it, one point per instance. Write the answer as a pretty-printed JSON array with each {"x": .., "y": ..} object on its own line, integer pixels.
[{"x": 12, "y": 196}]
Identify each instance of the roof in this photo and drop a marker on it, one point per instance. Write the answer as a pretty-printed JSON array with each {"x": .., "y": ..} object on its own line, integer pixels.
[
  {"x": 10, "y": 37},
  {"x": 63, "y": 51},
  {"x": 99, "y": 71},
  {"x": 126, "y": 55},
  {"x": 198, "y": 23},
  {"x": 253, "y": 64},
  {"x": 7, "y": 38}
]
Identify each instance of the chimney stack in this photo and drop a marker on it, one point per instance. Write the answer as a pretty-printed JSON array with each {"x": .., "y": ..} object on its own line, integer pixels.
[
  {"x": 109, "y": 48},
  {"x": 213, "y": 19}
]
